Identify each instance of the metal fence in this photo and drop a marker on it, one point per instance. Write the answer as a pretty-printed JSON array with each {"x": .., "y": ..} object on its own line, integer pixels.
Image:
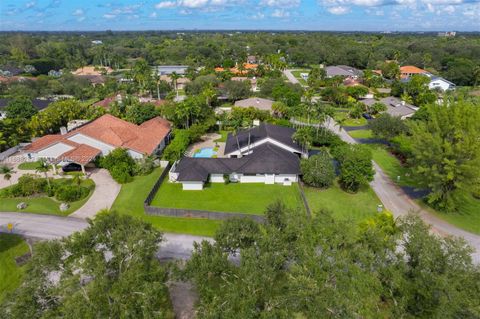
[{"x": 187, "y": 213}]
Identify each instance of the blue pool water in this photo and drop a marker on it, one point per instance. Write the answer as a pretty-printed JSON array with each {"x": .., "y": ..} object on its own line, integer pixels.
[{"x": 205, "y": 152}]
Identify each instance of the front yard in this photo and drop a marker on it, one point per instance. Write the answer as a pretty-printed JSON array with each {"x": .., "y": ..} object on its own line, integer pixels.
[
  {"x": 42, "y": 204},
  {"x": 11, "y": 246},
  {"x": 249, "y": 198},
  {"x": 130, "y": 202},
  {"x": 296, "y": 73},
  {"x": 341, "y": 204},
  {"x": 364, "y": 134}
]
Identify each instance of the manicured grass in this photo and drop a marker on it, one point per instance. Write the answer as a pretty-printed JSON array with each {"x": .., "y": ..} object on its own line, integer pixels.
[
  {"x": 298, "y": 76},
  {"x": 28, "y": 166},
  {"x": 250, "y": 198},
  {"x": 11, "y": 246},
  {"x": 341, "y": 204},
  {"x": 392, "y": 166},
  {"x": 349, "y": 121},
  {"x": 130, "y": 202},
  {"x": 361, "y": 134},
  {"x": 222, "y": 139},
  {"x": 43, "y": 204}
]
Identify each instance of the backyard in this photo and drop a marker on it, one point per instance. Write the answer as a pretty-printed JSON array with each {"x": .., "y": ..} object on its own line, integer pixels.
[
  {"x": 249, "y": 198},
  {"x": 11, "y": 246},
  {"x": 341, "y": 204},
  {"x": 130, "y": 202},
  {"x": 296, "y": 73}
]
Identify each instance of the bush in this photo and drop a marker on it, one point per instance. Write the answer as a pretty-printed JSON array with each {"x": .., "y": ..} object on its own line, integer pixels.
[
  {"x": 387, "y": 127},
  {"x": 71, "y": 193},
  {"x": 120, "y": 165},
  {"x": 174, "y": 151},
  {"x": 27, "y": 185},
  {"x": 318, "y": 170},
  {"x": 120, "y": 173},
  {"x": 356, "y": 167}
]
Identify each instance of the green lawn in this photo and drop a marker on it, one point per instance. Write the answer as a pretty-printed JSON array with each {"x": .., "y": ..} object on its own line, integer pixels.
[
  {"x": 11, "y": 246},
  {"x": 28, "y": 165},
  {"x": 43, "y": 204},
  {"x": 361, "y": 134},
  {"x": 222, "y": 139},
  {"x": 391, "y": 165},
  {"x": 343, "y": 205},
  {"x": 249, "y": 198},
  {"x": 130, "y": 202},
  {"x": 339, "y": 116},
  {"x": 299, "y": 78}
]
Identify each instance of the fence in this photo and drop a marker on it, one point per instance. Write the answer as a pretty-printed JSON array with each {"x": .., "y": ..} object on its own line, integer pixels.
[
  {"x": 189, "y": 213},
  {"x": 10, "y": 152}
]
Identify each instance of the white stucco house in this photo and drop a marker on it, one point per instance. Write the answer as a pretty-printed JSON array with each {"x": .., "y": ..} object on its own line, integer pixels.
[
  {"x": 99, "y": 137},
  {"x": 438, "y": 83},
  {"x": 264, "y": 154}
]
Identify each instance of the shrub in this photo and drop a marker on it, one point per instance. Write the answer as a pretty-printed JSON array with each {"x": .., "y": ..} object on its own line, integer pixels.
[
  {"x": 71, "y": 193},
  {"x": 387, "y": 127},
  {"x": 27, "y": 185},
  {"x": 356, "y": 167},
  {"x": 120, "y": 165},
  {"x": 318, "y": 170},
  {"x": 144, "y": 166},
  {"x": 120, "y": 173}
]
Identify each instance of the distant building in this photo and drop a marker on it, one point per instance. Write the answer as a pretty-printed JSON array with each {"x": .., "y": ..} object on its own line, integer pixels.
[
  {"x": 8, "y": 70},
  {"x": 411, "y": 70},
  {"x": 344, "y": 71},
  {"x": 169, "y": 69},
  {"x": 438, "y": 83},
  {"x": 448, "y": 34},
  {"x": 252, "y": 59},
  {"x": 256, "y": 102},
  {"x": 39, "y": 104},
  {"x": 395, "y": 106},
  {"x": 97, "y": 42}
]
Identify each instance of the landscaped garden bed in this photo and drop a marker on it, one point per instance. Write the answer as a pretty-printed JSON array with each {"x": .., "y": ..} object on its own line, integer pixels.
[
  {"x": 249, "y": 198},
  {"x": 45, "y": 197}
]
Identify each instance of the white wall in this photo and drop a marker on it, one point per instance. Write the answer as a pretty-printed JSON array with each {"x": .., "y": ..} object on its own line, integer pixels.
[
  {"x": 134, "y": 154},
  {"x": 217, "y": 178},
  {"x": 269, "y": 178},
  {"x": 52, "y": 151},
  {"x": 83, "y": 139},
  {"x": 259, "y": 178},
  {"x": 281, "y": 178},
  {"x": 439, "y": 84},
  {"x": 192, "y": 186}
]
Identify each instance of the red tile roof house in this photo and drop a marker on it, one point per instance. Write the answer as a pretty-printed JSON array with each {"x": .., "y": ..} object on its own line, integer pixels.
[{"x": 99, "y": 137}]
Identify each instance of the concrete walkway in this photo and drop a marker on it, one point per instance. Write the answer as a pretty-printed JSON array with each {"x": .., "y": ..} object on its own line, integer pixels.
[{"x": 105, "y": 193}]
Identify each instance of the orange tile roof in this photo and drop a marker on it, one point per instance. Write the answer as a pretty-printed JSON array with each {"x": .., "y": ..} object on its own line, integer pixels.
[
  {"x": 410, "y": 69},
  {"x": 83, "y": 154},
  {"x": 115, "y": 132}
]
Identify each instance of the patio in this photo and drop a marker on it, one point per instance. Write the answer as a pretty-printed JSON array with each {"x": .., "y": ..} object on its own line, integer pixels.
[{"x": 208, "y": 141}]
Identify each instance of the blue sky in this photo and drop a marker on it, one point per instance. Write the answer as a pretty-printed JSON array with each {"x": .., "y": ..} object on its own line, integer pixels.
[{"x": 352, "y": 15}]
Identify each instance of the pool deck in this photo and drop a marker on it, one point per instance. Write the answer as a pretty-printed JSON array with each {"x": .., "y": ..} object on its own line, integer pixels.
[{"x": 208, "y": 141}]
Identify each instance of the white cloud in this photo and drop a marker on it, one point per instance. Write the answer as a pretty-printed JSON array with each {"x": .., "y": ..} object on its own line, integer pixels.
[
  {"x": 153, "y": 15},
  {"x": 258, "y": 16},
  {"x": 166, "y": 4},
  {"x": 80, "y": 19},
  {"x": 338, "y": 10},
  {"x": 193, "y": 4},
  {"x": 280, "y": 13},
  {"x": 30, "y": 4},
  {"x": 78, "y": 12},
  {"x": 280, "y": 3},
  {"x": 109, "y": 16}
]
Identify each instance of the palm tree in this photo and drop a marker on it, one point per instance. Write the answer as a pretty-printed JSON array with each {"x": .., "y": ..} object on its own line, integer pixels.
[
  {"x": 476, "y": 75},
  {"x": 7, "y": 172},
  {"x": 237, "y": 124},
  {"x": 174, "y": 76},
  {"x": 42, "y": 167},
  {"x": 303, "y": 137}
]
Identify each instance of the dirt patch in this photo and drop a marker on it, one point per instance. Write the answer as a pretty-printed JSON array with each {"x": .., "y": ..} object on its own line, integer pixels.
[{"x": 184, "y": 297}]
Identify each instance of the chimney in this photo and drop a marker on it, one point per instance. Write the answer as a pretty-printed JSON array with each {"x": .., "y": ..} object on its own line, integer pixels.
[{"x": 63, "y": 130}]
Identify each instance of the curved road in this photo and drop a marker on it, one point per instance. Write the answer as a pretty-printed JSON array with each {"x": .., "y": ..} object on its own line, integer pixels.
[
  {"x": 175, "y": 246},
  {"x": 400, "y": 204}
]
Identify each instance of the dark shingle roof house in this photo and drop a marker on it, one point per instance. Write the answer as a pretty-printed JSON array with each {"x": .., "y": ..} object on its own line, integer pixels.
[
  {"x": 343, "y": 70},
  {"x": 270, "y": 157},
  {"x": 395, "y": 106},
  {"x": 263, "y": 132},
  {"x": 39, "y": 104}
]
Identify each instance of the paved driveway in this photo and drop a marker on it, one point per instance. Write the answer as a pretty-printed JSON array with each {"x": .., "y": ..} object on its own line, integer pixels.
[
  {"x": 175, "y": 246},
  {"x": 105, "y": 193},
  {"x": 290, "y": 76}
]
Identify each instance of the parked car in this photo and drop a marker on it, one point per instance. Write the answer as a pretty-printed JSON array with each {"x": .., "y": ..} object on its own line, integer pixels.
[
  {"x": 367, "y": 116},
  {"x": 72, "y": 167}
]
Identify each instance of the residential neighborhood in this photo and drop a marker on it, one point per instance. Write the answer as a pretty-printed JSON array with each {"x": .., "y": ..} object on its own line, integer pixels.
[{"x": 234, "y": 174}]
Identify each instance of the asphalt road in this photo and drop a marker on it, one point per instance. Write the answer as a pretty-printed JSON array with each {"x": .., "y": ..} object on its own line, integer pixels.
[
  {"x": 400, "y": 204},
  {"x": 175, "y": 246}
]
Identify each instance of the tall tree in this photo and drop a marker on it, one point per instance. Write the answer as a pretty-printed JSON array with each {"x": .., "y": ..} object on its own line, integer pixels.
[{"x": 446, "y": 151}]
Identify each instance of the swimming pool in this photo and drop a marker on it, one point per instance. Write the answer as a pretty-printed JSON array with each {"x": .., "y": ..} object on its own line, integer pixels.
[{"x": 205, "y": 152}]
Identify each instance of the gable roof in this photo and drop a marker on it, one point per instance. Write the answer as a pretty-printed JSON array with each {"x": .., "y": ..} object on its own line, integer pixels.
[
  {"x": 395, "y": 106},
  {"x": 39, "y": 104},
  {"x": 281, "y": 134},
  {"x": 115, "y": 132},
  {"x": 438, "y": 78},
  {"x": 342, "y": 70},
  {"x": 265, "y": 159},
  {"x": 82, "y": 154}
]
